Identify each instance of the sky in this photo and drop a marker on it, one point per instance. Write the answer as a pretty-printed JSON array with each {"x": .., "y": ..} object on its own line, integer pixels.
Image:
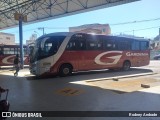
[{"x": 146, "y": 11}]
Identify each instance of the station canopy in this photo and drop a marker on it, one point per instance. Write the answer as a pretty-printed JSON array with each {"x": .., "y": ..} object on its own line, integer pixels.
[{"x": 41, "y": 10}]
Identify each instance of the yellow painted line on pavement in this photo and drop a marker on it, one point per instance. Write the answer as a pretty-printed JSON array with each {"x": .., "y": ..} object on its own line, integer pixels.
[{"x": 69, "y": 91}]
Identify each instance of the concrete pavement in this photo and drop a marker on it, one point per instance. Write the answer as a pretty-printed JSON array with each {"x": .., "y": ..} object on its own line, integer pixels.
[{"x": 28, "y": 93}]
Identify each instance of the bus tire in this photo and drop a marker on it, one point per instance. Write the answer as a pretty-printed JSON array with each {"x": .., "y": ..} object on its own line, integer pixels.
[
  {"x": 65, "y": 70},
  {"x": 126, "y": 65}
]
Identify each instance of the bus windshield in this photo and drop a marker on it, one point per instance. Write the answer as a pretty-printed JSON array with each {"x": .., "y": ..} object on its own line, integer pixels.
[{"x": 46, "y": 46}]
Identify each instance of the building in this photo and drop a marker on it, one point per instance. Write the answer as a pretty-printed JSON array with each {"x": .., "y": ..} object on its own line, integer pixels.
[
  {"x": 32, "y": 39},
  {"x": 103, "y": 29},
  {"x": 156, "y": 43},
  {"x": 7, "y": 38},
  {"x": 130, "y": 36}
]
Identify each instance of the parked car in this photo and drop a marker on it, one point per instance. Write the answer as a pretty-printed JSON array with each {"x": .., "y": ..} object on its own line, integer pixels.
[{"x": 157, "y": 57}]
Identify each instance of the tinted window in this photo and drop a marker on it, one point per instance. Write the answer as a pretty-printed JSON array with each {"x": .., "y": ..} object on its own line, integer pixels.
[
  {"x": 77, "y": 42},
  {"x": 81, "y": 44},
  {"x": 100, "y": 43},
  {"x": 1, "y": 51},
  {"x": 136, "y": 45},
  {"x": 144, "y": 45},
  {"x": 94, "y": 42},
  {"x": 123, "y": 44},
  {"x": 8, "y": 50},
  {"x": 16, "y": 50},
  {"x": 25, "y": 51},
  {"x": 71, "y": 45},
  {"x": 110, "y": 43}
]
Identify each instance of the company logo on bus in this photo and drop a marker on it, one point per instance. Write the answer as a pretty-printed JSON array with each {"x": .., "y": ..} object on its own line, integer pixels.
[
  {"x": 9, "y": 59},
  {"x": 136, "y": 54},
  {"x": 114, "y": 56}
]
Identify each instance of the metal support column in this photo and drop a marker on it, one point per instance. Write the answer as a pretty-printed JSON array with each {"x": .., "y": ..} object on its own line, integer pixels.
[
  {"x": 159, "y": 34},
  {"x": 21, "y": 40}
]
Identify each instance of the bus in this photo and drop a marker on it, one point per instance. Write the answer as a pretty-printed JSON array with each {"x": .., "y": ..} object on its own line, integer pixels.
[
  {"x": 67, "y": 52},
  {"x": 8, "y": 53}
]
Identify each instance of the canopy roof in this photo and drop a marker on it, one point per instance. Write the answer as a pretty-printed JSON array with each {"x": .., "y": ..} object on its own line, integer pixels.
[{"x": 40, "y": 10}]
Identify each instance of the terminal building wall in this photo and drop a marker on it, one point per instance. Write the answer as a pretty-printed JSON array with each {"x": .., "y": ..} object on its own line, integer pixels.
[
  {"x": 7, "y": 38},
  {"x": 103, "y": 29}
]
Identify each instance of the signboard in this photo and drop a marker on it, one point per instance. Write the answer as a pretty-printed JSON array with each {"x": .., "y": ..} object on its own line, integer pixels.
[{"x": 18, "y": 15}]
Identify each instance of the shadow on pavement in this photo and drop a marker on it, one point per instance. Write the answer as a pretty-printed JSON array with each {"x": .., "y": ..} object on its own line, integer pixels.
[
  {"x": 95, "y": 74},
  {"x": 35, "y": 95}
]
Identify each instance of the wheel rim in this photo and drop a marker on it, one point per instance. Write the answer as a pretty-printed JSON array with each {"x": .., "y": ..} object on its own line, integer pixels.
[{"x": 66, "y": 71}]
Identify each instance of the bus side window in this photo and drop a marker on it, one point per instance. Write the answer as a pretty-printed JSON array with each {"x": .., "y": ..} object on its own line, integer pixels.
[
  {"x": 77, "y": 42},
  {"x": 71, "y": 45},
  {"x": 136, "y": 45},
  {"x": 94, "y": 42},
  {"x": 25, "y": 51},
  {"x": 12, "y": 51},
  {"x": 6, "y": 50},
  {"x": 1, "y": 52},
  {"x": 144, "y": 45},
  {"x": 110, "y": 45},
  {"x": 9, "y": 51},
  {"x": 81, "y": 44},
  {"x": 17, "y": 51},
  {"x": 124, "y": 45},
  {"x": 91, "y": 43},
  {"x": 100, "y": 43},
  {"x": 80, "y": 41}
]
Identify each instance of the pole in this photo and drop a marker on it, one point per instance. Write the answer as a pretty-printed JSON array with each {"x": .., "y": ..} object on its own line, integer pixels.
[
  {"x": 43, "y": 30},
  {"x": 159, "y": 34},
  {"x": 21, "y": 40}
]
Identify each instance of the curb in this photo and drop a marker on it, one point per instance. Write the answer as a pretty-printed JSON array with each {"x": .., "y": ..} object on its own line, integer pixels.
[{"x": 119, "y": 77}]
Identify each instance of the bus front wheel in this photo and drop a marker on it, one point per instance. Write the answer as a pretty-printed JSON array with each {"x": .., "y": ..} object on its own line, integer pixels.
[
  {"x": 126, "y": 65},
  {"x": 65, "y": 70}
]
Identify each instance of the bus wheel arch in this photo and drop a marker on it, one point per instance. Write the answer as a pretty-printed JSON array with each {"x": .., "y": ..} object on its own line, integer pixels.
[
  {"x": 126, "y": 65},
  {"x": 65, "y": 69}
]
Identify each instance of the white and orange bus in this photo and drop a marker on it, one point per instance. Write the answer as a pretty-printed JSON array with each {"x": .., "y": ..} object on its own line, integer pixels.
[
  {"x": 67, "y": 52},
  {"x": 8, "y": 53}
]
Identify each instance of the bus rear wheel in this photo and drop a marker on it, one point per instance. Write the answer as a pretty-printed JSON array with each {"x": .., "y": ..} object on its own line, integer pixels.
[
  {"x": 65, "y": 70},
  {"x": 126, "y": 65}
]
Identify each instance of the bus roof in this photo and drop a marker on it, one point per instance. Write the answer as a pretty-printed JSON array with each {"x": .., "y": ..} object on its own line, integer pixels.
[
  {"x": 57, "y": 34},
  {"x": 130, "y": 38},
  {"x": 109, "y": 36},
  {"x": 122, "y": 37}
]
